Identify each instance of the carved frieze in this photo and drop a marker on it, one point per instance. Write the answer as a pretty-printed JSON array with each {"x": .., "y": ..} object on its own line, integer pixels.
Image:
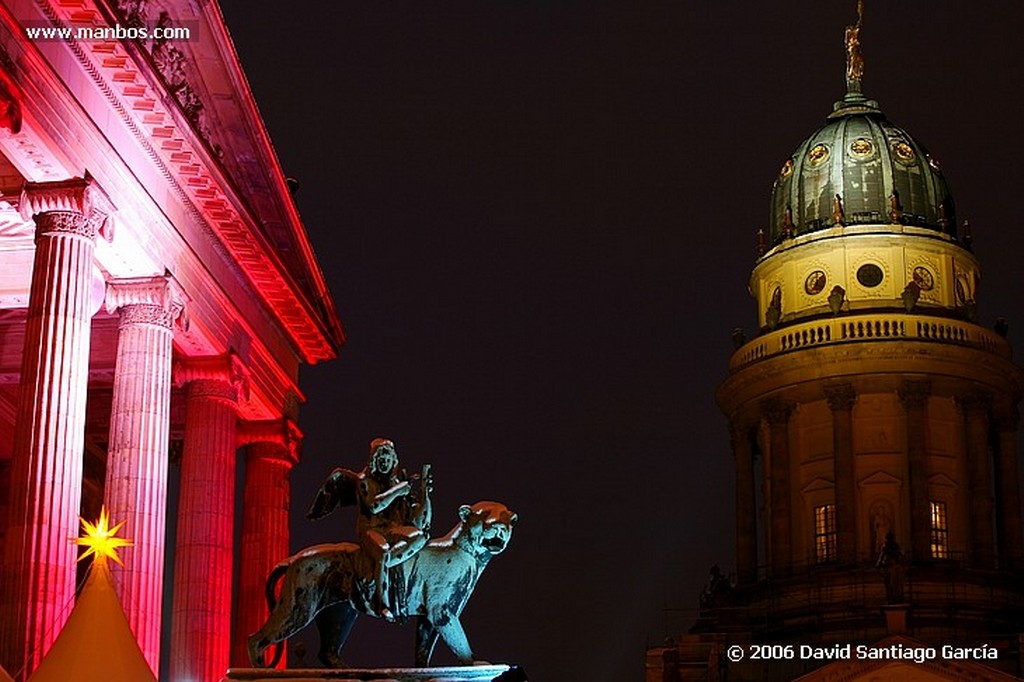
[{"x": 171, "y": 64}]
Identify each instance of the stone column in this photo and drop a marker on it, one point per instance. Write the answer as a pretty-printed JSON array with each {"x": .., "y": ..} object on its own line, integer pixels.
[
  {"x": 136, "y": 485},
  {"x": 746, "y": 503},
  {"x": 201, "y": 607},
  {"x": 914, "y": 395},
  {"x": 975, "y": 407},
  {"x": 1008, "y": 508},
  {"x": 781, "y": 554},
  {"x": 272, "y": 449},
  {"x": 49, "y": 438},
  {"x": 840, "y": 400}
]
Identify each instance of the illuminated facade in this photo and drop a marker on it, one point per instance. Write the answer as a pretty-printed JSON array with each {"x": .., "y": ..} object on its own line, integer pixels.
[
  {"x": 873, "y": 424},
  {"x": 157, "y": 296}
]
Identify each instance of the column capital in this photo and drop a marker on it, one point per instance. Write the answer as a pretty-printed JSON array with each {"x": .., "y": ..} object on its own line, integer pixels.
[
  {"x": 776, "y": 410},
  {"x": 156, "y": 300},
  {"x": 82, "y": 196},
  {"x": 915, "y": 393},
  {"x": 840, "y": 397},
  {"x": 283, "y": 432},
  {"x": 974, "y": 401},
  {"x": 224, "y": 369}
]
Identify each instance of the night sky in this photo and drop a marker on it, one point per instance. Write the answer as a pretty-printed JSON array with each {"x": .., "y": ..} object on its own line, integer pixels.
[{"x": 537, "y": 220}]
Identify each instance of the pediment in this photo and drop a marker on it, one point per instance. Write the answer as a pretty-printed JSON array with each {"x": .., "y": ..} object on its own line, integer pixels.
[
  {"x": 942, "y": 480},
  {"x": 817, "y": 484},
  {"x": 880, "y": 478}
]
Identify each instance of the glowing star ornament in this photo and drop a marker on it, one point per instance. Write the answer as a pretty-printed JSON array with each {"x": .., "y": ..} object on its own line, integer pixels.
[{"x": 101, "y": 540}]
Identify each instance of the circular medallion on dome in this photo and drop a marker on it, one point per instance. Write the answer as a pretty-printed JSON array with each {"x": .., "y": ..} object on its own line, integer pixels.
[
  {"x": 904, "y": 152},
  {"x": 924, "y": 278},
  {"x": 861, "y": 148},
  {"x": 817, "y": 155},
  {"x": 869, "y": 275},
  {"x": 815, "y": 282},
  {"x": 787, "y": 169}
]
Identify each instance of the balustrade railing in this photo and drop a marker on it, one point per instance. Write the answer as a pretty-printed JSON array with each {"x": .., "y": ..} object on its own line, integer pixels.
[{"x": 870, "y": 326}]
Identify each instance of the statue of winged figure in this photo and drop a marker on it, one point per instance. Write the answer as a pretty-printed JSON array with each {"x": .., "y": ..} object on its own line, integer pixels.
[{"x": 393, "y": 521}]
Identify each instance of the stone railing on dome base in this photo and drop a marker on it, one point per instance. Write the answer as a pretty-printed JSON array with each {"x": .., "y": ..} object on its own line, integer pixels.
[
  {"x": 459, "y": 673},
  {"x": 869, "y": 327}
]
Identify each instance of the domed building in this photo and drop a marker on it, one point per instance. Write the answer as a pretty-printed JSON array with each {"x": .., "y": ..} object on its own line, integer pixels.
[{"x": 873, "y": 425}]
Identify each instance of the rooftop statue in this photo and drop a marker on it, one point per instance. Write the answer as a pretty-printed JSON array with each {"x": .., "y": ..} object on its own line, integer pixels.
[{"x": 395, "y": 571}]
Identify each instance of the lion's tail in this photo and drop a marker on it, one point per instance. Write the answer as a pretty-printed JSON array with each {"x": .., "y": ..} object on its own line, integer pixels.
[{"x": 272, "y": 580}]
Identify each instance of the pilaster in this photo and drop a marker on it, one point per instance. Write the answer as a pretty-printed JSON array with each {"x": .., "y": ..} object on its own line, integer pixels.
[
  {"x": 272, "y": 449},
  {"x": 1008, "y": 513},
  {"x": 778, "y": 413},
  {"x": 914, "y": 395},
  {"x": 746, "y": 504},
  {"x": 201, "y": 611},
  {"x": 841, "y": 398},
  {"x": 49, "y": 438},
  {"x": 975, "y": 406},
  {"x": 136, "y": 482}
]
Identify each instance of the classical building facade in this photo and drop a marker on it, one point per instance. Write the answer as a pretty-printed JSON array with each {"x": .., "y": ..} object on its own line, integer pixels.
[
  {"x": 157, "y": 296},
  {"x": 873, "y": 422}
]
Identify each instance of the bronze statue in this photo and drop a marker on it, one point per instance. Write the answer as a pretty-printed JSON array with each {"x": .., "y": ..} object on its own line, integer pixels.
[
  {"x": 890, "y": 561},
  {"x": 390, "y": 527},
  {"x": 854, "y": 59},
  {"x": 332, "y": 584}
]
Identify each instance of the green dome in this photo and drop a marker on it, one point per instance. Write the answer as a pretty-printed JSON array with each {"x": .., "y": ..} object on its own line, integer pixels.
[{"x": 881, "y": 175}]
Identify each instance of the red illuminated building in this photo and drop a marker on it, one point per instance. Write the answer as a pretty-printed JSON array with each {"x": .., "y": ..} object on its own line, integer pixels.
[{"x": 157, "y": 296}]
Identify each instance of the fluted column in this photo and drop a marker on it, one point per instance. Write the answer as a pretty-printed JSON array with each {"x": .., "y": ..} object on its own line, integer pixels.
[
  {"x": 746, "y": 504},
  {"x": 778, "y": 413},
  {"x": 201, "y": 611},
  {"x": 975, "y": 407},
  {"x": 272, "y": 449},
  {"x": 840, "y": 400},
  {"x": 136, "y": 483},
  {"x": 49, "y": 437},
  {"x": 1011, "y": 542},
  {"x": 914, "y": 395}
]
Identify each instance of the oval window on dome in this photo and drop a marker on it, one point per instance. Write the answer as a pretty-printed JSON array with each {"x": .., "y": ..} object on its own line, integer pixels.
[
  {"x": 869, "y": 275},
  {"x": 904, "y": 152},
  {"x": 787, "y": 169},
  {"x": 817, "y": 155},
  {"x": 934, "y": 163},
  {"x": 861, "y": 148}
]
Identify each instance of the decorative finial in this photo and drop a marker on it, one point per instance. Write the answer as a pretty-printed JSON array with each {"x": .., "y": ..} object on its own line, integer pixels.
[{"x": 854, "y": 59}]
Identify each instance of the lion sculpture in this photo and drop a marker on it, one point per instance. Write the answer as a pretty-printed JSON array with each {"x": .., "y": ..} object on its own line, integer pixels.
[{"x": 323, "y": 583}]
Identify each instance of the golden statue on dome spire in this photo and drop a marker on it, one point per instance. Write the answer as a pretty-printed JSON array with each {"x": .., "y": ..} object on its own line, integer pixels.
[{"x": 854, "y": 59}]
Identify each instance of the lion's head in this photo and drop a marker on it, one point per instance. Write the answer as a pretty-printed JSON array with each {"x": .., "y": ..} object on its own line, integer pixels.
[{"x": 487, "y": 526}]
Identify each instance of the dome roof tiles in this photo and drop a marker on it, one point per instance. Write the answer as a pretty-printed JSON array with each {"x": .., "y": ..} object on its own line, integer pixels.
[{"x": 859, "y": 169}]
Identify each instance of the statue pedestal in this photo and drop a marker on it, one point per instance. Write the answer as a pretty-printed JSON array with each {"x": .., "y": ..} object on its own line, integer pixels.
[{"x": 462, "y": 673}]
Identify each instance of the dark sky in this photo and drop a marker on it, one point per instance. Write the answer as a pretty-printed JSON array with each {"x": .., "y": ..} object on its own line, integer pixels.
[{"x": 537, "y": 219}]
